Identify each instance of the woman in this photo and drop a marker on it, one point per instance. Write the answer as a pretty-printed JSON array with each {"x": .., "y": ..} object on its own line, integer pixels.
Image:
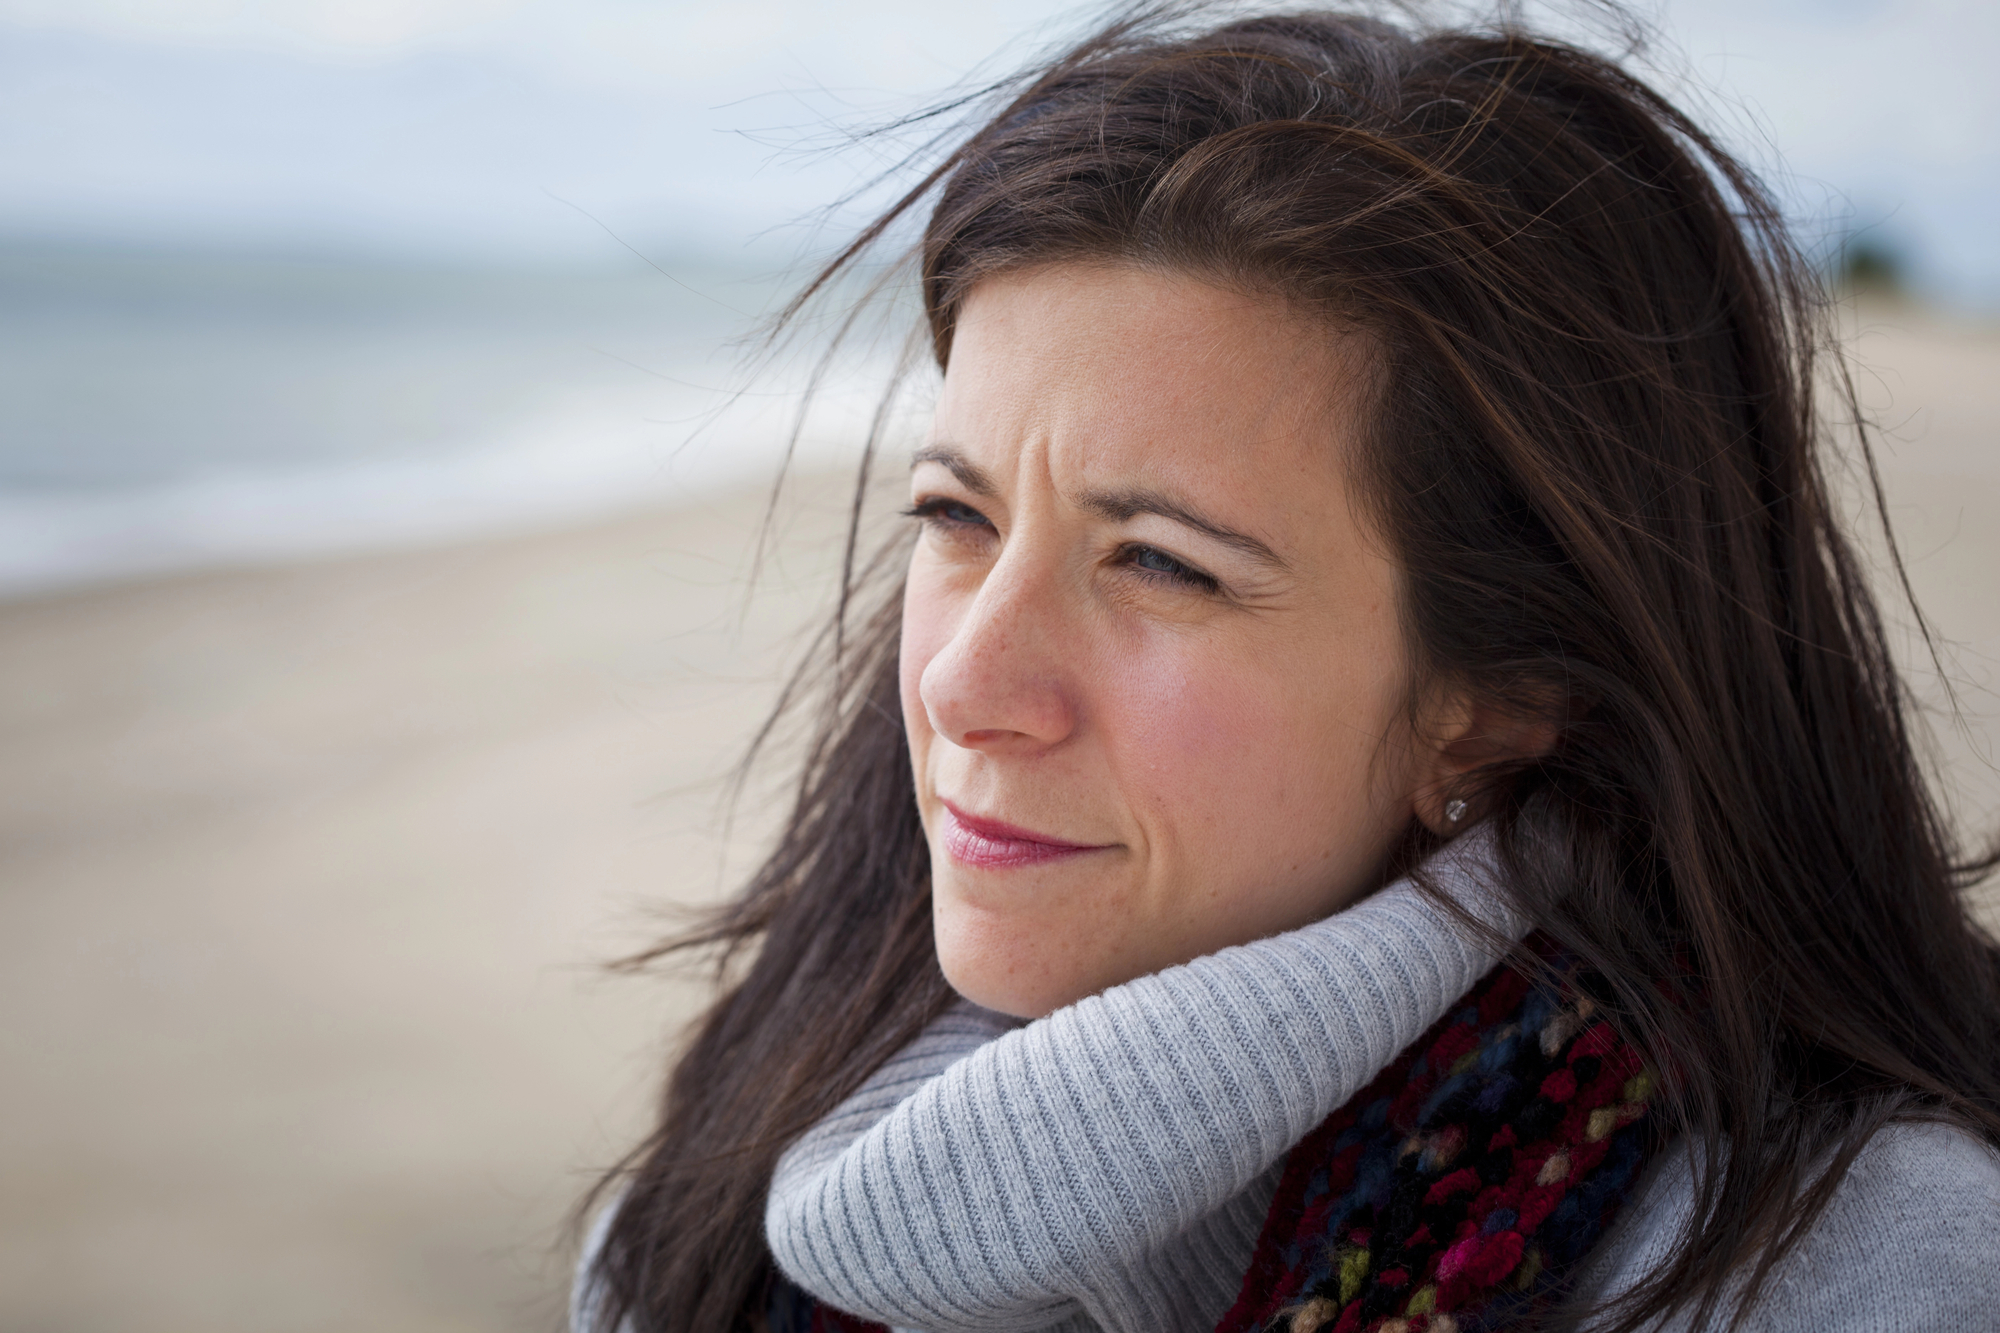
[{"x": 1380, "y": 799}]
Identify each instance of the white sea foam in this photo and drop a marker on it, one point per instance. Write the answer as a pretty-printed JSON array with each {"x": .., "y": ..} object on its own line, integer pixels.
[{"x": 560, "y": 467}]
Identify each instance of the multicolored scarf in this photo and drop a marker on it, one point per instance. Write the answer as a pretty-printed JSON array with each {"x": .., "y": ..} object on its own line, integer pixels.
[
  {"x": 1463, "y": 1185},
  {"x": 1453, "y": 1193}
]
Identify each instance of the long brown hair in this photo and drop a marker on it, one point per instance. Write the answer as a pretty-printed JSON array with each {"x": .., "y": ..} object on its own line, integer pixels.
[{"x": 1598, "y": 457}]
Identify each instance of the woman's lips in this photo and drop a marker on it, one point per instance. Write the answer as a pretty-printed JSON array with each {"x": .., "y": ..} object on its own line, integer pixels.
[{"x": 988, "y": 844}]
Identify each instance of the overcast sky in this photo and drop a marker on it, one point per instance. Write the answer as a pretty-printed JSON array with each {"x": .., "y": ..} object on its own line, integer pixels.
[{"x": 468, "y": 128}]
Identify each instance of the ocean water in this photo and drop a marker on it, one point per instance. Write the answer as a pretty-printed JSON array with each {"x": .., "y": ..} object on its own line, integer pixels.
[{"x": 170, "y": 411}]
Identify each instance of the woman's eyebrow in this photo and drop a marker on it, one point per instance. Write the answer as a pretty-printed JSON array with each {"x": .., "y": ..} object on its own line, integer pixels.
[
  {"x": 968, "y": 473},
  {"x": 1119, "y": 506}
]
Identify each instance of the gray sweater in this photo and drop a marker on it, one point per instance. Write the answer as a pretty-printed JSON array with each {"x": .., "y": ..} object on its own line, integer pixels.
[{"x": 1109, "y": 1166}]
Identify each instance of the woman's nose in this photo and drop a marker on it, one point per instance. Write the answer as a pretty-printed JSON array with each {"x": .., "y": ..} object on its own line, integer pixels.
[{"x": 1005, "y": 680}]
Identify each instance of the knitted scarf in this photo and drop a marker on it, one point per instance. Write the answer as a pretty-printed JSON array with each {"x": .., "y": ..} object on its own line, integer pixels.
[
  {"x": 1462, "y": 1186},
  {"x": 1451, "y": 1195}
]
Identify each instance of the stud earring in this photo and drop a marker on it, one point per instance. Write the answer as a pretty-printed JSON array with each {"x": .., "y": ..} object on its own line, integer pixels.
[{"x": 1454, "y": 810}]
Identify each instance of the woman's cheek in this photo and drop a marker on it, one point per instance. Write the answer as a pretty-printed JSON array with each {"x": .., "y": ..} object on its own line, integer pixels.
[
  {"x": 1188, "y": 731},
  {"x": 1244, "y": 780}
]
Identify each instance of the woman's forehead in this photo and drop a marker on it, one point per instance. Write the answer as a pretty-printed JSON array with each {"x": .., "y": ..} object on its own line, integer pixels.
[{"x": 1122, "y": 366}]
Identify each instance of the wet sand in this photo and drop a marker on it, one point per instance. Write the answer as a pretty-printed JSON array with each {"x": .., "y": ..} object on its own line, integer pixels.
[{"x": 308, "y": 872}]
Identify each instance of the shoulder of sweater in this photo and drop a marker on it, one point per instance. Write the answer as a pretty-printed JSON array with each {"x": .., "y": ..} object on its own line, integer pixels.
[
  {"x": 586, "y": 1298},
  {"x": 1906, "y": 1242}
]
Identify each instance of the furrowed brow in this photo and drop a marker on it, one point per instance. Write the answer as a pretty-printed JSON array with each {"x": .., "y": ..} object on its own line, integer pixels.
[
  {"x": 1118, "y": 506},
  {"x": 968, "y": 473}
]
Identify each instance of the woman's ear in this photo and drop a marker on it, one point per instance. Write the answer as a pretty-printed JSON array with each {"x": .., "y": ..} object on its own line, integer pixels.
[{"x": 1462, "y": 737}]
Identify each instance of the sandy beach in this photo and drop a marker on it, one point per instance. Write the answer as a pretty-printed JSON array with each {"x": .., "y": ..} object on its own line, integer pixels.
[
  {"x": 309, "y": 876},
  {"x": 309, "y": 873}
]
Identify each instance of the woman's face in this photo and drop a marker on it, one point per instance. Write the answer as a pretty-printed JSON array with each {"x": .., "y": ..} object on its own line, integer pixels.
[{"x": 1152, "y": 671}]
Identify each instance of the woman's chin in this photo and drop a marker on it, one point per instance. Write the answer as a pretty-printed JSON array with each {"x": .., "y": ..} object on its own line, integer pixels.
[
  {"x": 1019, "y": 962},
  {"x": 1000, "y": 998}
]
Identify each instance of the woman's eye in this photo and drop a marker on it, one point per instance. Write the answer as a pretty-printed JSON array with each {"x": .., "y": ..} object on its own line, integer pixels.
[
  {"x": 1155, "y": 563},
  {"x": 941, "y": 512}
]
